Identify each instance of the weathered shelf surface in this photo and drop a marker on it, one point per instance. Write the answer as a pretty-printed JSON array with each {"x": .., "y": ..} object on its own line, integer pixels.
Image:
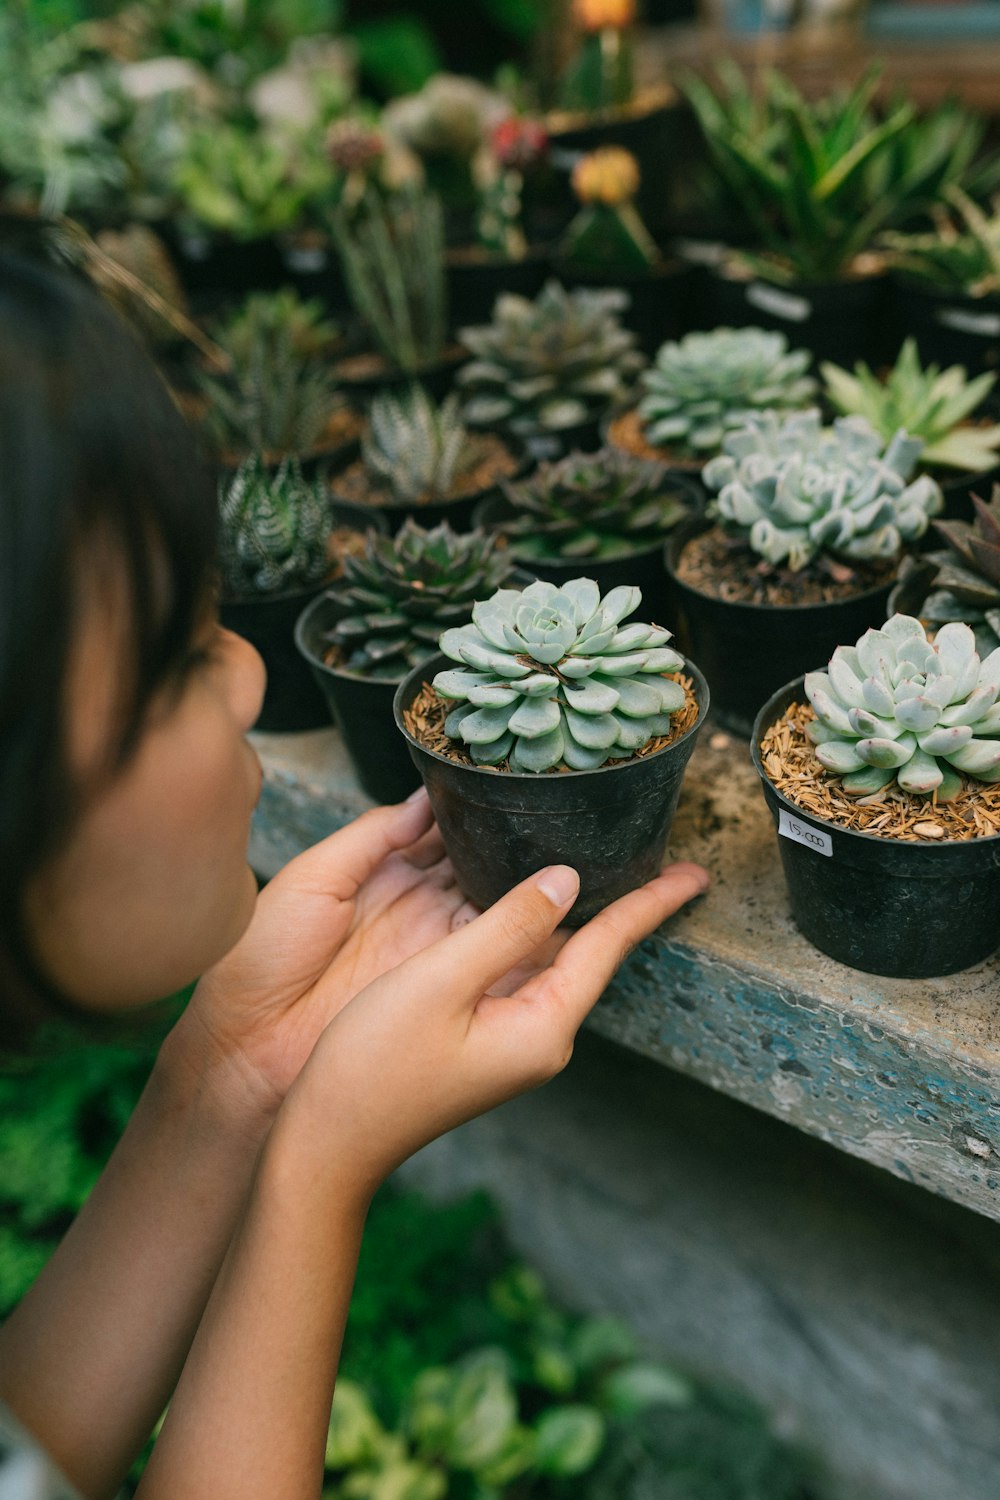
[{"x": 903, "y": 1073}]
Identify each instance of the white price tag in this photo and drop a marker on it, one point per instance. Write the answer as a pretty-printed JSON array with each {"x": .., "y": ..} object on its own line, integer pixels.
[
  {"x": 986, "y": 325},
  {"x": 804, "y": 833},
  {"x": 779, "y": 304}
]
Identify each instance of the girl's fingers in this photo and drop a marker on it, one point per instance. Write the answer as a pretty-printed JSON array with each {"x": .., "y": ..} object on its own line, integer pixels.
[
  {"x": 341, "y": 863},
  {"x": 584, "y": 966},
  {"x": 474, "y": 957},
  {"x": 427, "y": 850}
]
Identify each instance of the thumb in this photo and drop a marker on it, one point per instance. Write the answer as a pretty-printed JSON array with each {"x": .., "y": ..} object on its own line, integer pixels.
[{"x": 467, "y": 962}]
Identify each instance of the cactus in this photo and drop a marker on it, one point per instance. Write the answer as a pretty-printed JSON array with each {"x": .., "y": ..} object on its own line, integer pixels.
[
  {"x": 931, "y": 404},
  {"x": 392, "y": 249},
  {"x": 898, "y": 706},
  {"x": 794, "y": 489},
  {"x": 966, "y": 581},
  {"x": 551, "y": 675},
  {"x": 274, "y": 530},
  {"x": 607, "y": 235},
  {"x": 708, "y": 384},
  {"x": 395, "y": 600},
  {"x": 416, "y": 448},
  {"x": 591, "y": 505},
  {"x": 549, "y": 364}
]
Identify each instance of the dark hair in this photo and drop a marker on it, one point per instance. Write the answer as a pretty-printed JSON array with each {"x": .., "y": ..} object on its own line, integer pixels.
[{"x": 92, "y": 448}]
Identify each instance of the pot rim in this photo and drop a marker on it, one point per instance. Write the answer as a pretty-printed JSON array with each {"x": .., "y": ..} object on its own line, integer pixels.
[
  {"x": 685, "y": 532},
  {"x": 436, "y": 663},
  {"x": 766, "y": 716},
  {"x": 302, "y": 625},
  {"x": 513, "y": 446}
]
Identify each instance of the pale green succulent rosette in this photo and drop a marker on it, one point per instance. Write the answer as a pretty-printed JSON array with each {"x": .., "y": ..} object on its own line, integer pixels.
[
  {"x": 550, "y": 675},
  {"x": 900, "y": 706},
  {"x": 794, "y": 489}
]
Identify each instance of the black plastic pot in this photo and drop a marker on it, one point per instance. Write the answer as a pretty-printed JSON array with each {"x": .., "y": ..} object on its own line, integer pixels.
[
  {"x": 292, "y": 700},
  {"x": 643, "y": 567},
  {"x": 748, "y": 650},
  {"x": 841, "y": 320},
  {"x": 475, "y": 284},
  {"x": 949, "y": 329},
  {"x": 886, "y": 906},
  {"x": 361, "y": 707},
  {"x": 611, "y": 825},
  {"x": 226, "y": 267},
  {"x": 649, "y": 132},
  {"x": 460, "y": 513},
  {"x": 360, "y": 389},
  {"x": 313, "y": 268},
  {"x": 660, "y": 301},
  {"x": 543, "y": 447}
]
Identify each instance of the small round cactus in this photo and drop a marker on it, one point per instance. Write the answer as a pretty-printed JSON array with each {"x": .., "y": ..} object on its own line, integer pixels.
[
  {"x": 794, "y": 489},
  {"x": 550, "y": 675},
  {"x": 901, "y": 706}
]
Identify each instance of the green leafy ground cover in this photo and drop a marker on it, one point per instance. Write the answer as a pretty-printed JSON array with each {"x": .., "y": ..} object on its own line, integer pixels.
[{"x": 462, "y": 1378}]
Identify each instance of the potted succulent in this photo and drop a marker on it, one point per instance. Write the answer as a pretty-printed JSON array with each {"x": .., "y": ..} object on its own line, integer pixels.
[
  {"x": 419, "y": 459},
  {"x": 548, "y": 370},
  {"x": 960, "y": 581},
  {"x": 704, "y": 386},
  {"x": 881, "y": 775},
  {"x": 274, "y": 555},
  {"x": 561, "y": 736},
  {"x": 382, "y": 617},
  {"x": 810, "y": 191},
  {"x": 946, "y": 286},
  {"x": 607, "y": 244},
  {"x": 607, "y": 511},
  {"x": 938, "y": 406},
  {"x": 800, "y": 548}
]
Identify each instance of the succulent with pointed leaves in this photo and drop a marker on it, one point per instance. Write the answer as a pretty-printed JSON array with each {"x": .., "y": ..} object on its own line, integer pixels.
[
  {"x": 794, "y": 489},
  {"x": 592, "y": 505},
  {"x": 931, "y": 404},
  {"x": 274, "y": 530},
  {"x": 551, "y": 675},
  {"x": 395, "y": 599},
  {"x": 549, "y": 364},
  {"x": 707, "y": 384},
  {"x": 966, "y": 584},
  {"x": 415, "y": 447},
  {"x": 898, "y": 706}
]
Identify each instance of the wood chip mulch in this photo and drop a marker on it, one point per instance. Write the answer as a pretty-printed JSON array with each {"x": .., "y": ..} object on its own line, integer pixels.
[
  {"x": 426, "y": 715},
  {"x": 724, "y": 567},
  {"x": 626, "y": 432},
  {"x": 491, "y": 460},
  {"x": 788, "y": 758}
]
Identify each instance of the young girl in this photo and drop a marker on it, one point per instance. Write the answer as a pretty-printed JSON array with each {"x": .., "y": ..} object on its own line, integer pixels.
[{"x": 350, "y": 1013}]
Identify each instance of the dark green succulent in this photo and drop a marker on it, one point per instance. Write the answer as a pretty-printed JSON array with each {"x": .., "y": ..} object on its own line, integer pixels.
[
  {"x": 274, "y": 530},
  {"x": 592, "y": 505},
  {"x": 966, "y": 583},
  {"x": 278, "y": 321},
  {"x": 272, "y": 402},
  {"x": 395, "y": 600}
]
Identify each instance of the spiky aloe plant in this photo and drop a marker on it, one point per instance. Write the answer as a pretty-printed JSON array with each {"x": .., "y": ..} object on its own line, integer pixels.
[
  {"x": 272, "y": 402},
  {"x": 961, "y": 256},
  {"x": 416, "y": 448},
  {"x": 392, "y": 251},
  {"x": 707, "y": 384},
  {"x": 549, "y": 364},
  {"x": 931, "y": 404},
  {"x": 898, "y": 706},
  {"x": 592, "y": 505},
  {"x": 965, "y": 584},
  {"x": 274, "y": 530},
  {"x": 395, "y": 600},
  {"x": 277, "y": 321},
  {"x": 793, "y": 489},
  {"x": 550, "y": 675}
]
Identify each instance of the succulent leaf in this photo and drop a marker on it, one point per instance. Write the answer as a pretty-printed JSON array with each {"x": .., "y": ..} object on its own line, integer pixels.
[{"x": 580, "y": 701}]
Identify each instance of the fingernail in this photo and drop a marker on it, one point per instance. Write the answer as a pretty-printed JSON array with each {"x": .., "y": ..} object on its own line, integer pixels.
[
  {"x": 560, "y": 883},
  {"x": 704, "y": 879},
  {"x": 418, "y": 794}
]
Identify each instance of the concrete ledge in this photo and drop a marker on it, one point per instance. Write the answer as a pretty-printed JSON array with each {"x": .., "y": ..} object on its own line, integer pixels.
[{"x": 902, "y": 1073}]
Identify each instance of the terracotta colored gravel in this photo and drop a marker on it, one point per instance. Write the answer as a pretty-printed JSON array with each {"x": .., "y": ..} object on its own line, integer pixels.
[
  {"x": 492, "y": 460},
  {"x": 788, "y": 758},
  {"x": 426, "y": 715},
  {"x": 723, "y": 567}
]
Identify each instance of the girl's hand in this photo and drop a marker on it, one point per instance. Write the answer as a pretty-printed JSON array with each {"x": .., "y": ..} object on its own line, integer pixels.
[{"x": 478, "y": 1016}]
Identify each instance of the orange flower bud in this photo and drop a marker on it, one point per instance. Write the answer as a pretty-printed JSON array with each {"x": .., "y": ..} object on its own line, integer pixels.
[
  {"x": 595, "y": 15},
  {"x": 608, "y": 175}
]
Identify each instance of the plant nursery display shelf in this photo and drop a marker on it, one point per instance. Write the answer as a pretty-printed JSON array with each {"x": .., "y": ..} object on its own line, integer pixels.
[{"x": 902, "y": 1073}]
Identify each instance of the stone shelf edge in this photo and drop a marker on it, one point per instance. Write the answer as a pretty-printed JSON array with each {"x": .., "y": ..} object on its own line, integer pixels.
[{"x": 902, "y": 1073}]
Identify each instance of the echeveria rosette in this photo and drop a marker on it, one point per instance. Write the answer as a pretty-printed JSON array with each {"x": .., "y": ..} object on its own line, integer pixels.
[
  {"x": 901, "y": 706},
  {"x": 550, "y": 675},
  {"x": 795, "y": 489}
]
